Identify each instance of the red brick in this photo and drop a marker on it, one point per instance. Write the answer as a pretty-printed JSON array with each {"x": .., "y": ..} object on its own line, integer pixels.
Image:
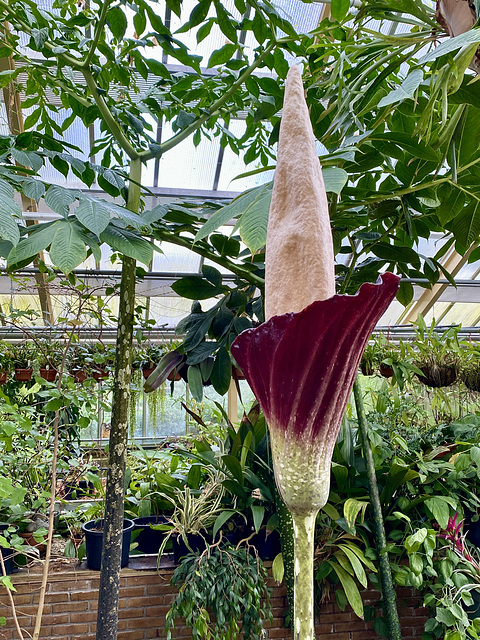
[
  {"x": 84, "y": 616},
  {"x": 131, "y": 613},
  {"x": 67, "y": 606}
]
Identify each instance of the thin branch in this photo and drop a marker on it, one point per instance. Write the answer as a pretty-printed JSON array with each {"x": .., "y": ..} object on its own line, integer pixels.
[
  {"x": 185, "y": 133},
  {"x": 12, "y": 603},
  {"x": 113, "y": 125},
  {"x": 98, "y": 32}
]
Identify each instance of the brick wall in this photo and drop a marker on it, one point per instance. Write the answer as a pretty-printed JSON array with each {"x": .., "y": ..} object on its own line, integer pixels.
[{"x": 71, "y": 603}]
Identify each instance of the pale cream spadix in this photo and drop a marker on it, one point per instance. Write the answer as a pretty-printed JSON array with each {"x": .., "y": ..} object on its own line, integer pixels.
[{"x": 299, "y": 261}]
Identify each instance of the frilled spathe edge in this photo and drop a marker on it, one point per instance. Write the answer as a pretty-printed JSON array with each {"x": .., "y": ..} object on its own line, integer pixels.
[{"x": 301, "y": 366}]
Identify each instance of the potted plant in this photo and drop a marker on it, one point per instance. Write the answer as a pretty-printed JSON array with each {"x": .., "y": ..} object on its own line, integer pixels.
[
  {"x": 7, "y": 360},
  {"x": 437, "y": 355},
  {"x": 147, "y": 358},
  {"x": 50, "y": 355},
  {"x": 369, "y": 362},
  {"x": 101, "y": 358},
  {"x": 24, "y": 356},
  {"x": 470, "y": 366},
  {"x": 223, "y": 594},
  {"x": 194, "y": 513},
  {"x": 77, "y": 363}
]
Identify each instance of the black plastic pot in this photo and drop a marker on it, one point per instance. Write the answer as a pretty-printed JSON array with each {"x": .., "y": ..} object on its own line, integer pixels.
[
  {"x": 196, "y": 542},
  {"x": 267, "y": 544},
  {"x": 94, "y": 540},
  {"x": 7, "y": 554},
  {"x": 149, "y": 540}
]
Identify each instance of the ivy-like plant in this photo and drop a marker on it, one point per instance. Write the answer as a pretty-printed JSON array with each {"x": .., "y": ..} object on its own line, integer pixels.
[{"x": 223, "y": 592}]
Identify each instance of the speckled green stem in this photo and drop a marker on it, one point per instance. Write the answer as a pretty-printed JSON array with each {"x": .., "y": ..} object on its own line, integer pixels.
[
  {"x": 388, "y": 590},
  {"x": 303, "y": 610},
  {"x": 285, "y": 529}
]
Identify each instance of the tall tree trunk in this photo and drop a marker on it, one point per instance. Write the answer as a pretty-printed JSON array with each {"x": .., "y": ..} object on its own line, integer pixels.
[{"x": 109, "y": 590}]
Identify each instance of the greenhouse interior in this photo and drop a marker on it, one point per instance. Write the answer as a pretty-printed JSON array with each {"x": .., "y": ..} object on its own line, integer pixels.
[{"x": 239, "y": 319}]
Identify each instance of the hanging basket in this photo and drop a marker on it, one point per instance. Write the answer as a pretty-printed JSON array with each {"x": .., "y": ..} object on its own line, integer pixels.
[
  {"x": 48, "y": 374},
  {"x": 471, "y": 379},
  {"x": 23, "y": 375},
  {"x": 3, "y": 377},
  {"x": 386, "y": 370},
  {"x": 438, "y": 375}
]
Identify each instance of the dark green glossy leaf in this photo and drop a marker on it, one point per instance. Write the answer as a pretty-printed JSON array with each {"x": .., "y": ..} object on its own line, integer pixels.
[{"x": 196, "y": 288}]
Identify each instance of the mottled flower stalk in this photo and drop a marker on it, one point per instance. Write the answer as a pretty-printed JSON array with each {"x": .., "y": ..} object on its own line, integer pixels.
[{"x": 302, "y": 365}]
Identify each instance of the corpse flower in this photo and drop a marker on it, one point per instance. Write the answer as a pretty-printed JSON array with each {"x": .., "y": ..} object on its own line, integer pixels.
[{"x": 302, "y": 362}]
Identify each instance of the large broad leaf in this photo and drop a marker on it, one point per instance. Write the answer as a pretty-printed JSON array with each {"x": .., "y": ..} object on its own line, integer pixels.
[
  {"x": 32, "y": 245},
  {"x": 466, "y": 226},
  {"x": 59, "y": 199},
  {"x": 334, "y": 178},
  {"x": 451, "y": 206},
  {"x": 452, "y": 44},
  {"x": 128, "y": 244},
  {"x": 196, "y": 288},
  {"x": 33, "y": 189},
  {"x": 67, "y": 250},
  {"x": 232, "y": 210},
  {"x": 9, "y": 229},
  {"x": 351, "y": 509},
  {"x": 222, "y": 371},
  {"x": 129, "y": 217},
  {"x": 6, "y": 190},
  {"x": 468, "y": 142},
  {"x": 439, "y": 509},
  {"x": 413, "y": 146},
  {"x": 195, "y": 382},
  {"x": 253, "y": 222},
  {"x": 93, "y": 215}
]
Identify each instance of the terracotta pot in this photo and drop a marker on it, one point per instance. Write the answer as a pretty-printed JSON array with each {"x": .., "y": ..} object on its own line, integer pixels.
[
  {"x": 30, "y": 540},
  {"x": 100, "y": 374},
  {"x": 3, "y": 377},
  {"x": 367, "y": 369},
  {"x": 438, "y": 375},
  {"x": 386, "y": 370},
  {"x": 48, "y": 374},
  {"x": 23, "y": 375},
  {"x": 79, "y": 375},
  {"x": 147, "y": 372},
  {"x": 173, "y": 375}
]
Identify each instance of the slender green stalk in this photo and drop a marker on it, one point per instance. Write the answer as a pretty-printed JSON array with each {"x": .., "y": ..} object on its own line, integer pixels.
[
  {"x": 285, "y": 529},
  {"x": 388, "y": 590},
  {"x": 98, "y": 32},
  {"x": 303, "y": 610},
  {"x": 113, "y": 125},
  {"x": 185, "y": 133}
]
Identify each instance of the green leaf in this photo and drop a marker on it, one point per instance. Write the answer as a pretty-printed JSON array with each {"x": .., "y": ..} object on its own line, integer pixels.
[
  {"x": 335, "y": 179},
  {"x": 196, "y": 288},
  {"x": 28, "y": 159},
  {"x": 221, "y": 56},
  {"x": 258, "y": 513},
  {"x": 466, "y": 225},
  {"x": 351, "y": 509},
  {"x": 212, "y": 274},
  {"x": 68, "y": 247},
  {"x": 278, "y": 568},
  {"x": 93, "y": 215},
  {"x": 117, "y": 21},
  {"x": 9, "y": 229},
  {"x": 331, "y": 512},
  {"x": 221, "y": 520},
  {"x": 445, "y": 616},
  {"x": 33, "y": 189},
  {"x": 32, "y": 245},
  {"x": 356, "y": 565},
  {"x": 405, "y": 293},
  {"x": 339, "y": 9},
  {"x": 195, "y": 383},
  {"x": 413, "y": 542},
  {"x": 230, "y": 211},
  {"x": 451, "y": 206},
  {"x": 413, "y": 146},
  {"x": 254, "y": 221},
  {"x": 452, "y": 44},
  {"x": 351, "y": 590},
  {"x": 59, "y": 199},
  {"x": 405, "y": 90},
  {"x": 128, "y": 244},
  {"x": 222, "y": 371},
  {"x": 439, "y": 509}
]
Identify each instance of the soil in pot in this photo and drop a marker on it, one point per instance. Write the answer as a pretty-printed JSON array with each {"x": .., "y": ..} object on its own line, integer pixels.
[
  {"x": 196, "y": 542},
  {"x": 93, "y": 531},
  {"x": 149, "y": 540},
  {"x": 438, "y": 375}
]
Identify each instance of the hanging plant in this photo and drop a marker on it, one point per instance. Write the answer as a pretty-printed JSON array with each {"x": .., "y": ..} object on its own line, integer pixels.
[
  {"x": 135, "y": 394},
  {"x": 437, "y": 354}
]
